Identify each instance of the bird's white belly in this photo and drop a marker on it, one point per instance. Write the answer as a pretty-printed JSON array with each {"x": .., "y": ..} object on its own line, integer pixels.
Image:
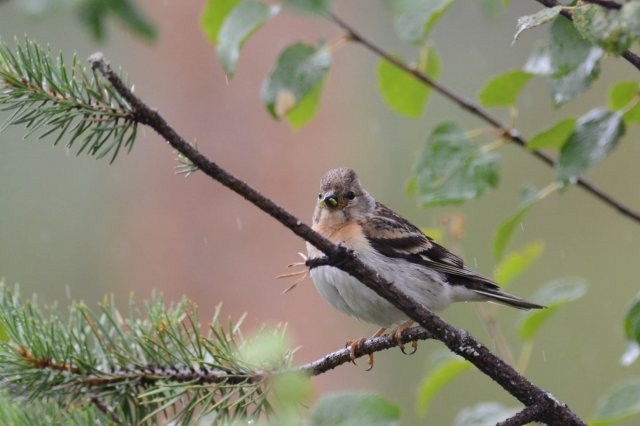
[{"x": 347, "y": 294}]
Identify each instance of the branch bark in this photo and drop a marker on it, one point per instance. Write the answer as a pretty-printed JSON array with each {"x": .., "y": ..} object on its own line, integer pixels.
[
  {"x": 512, "y": 134},
  {"x": 457, "y": 340},
  {"x": 527, "y": 415}
]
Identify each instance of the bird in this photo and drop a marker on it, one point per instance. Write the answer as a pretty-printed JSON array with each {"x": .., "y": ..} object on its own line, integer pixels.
[{"x": 346, "y": 214}]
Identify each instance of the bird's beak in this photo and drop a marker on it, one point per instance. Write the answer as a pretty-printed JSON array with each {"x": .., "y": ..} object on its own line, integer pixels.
[{"x": 329, "y": 200}]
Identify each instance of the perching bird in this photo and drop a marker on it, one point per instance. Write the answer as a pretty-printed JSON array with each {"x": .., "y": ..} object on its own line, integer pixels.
[{"x": 402, "y": 254}]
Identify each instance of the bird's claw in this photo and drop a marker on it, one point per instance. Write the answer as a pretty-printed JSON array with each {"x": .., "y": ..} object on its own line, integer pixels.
[
  {"x": 353, "y": 347},
  {"x": 397, "y": 336}
]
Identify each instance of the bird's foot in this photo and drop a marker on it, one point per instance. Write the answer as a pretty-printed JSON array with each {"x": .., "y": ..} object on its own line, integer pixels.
[
  {"x": 355, "y": 345},
  {"x": 397, "y": 336},
  {"x": 353, "y": 348}
]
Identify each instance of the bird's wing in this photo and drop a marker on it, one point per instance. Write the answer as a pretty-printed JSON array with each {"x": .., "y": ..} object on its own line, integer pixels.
[{"x": 393, "y": 236}]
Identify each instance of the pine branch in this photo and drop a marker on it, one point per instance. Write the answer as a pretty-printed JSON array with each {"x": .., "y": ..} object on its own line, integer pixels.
[
  {"x": 48, "y": 98},
  {"x": 153, "y": 362},
  {"x": 457, "y": 340}
]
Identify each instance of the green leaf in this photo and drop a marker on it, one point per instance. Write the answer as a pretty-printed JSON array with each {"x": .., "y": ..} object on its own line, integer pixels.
[
  {"x": 306, "y": 109},
  {"x": 553, "y": 295},
  {"x": 555, "y": 136},
  {"x": 595, "y": 136},
  {"x": 484, "y": 414},
  {"x": 620, "y": 403},
  {"x": 415, "y": 18},
  {"x": 354, "y": 409},
  {"x": 570, "y": 61},
  {"x": 129, "y": 12},
  {"x": 516, "y": 263},
  {"x": 442, "y": 368},
  {"x": 621, "y": 95},
  {"x": 503, "y": 90},
  {"x": 246, "y": 18},
  {"x": 95, "y": 12},
  {"x": 505, "y": 231},
  {"x": 309, "y": 6},
  {"x": 539, "y": 18},
  {"x": 214, "y": 14},
  {"x": 403, "y": 92},
  {"x": 292, "y": 89},
  {"x": 632, "y": 321},
  {"x": 452, "y": 168}
]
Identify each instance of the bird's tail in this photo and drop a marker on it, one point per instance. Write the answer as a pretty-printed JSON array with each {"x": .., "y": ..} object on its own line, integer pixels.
[{"x": 498, "y": 296}]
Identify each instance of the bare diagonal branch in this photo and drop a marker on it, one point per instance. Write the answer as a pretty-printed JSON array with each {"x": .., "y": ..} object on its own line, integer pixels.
[
  {"x": 475, "y": 109},
  {"x": 457, "y": 340}
]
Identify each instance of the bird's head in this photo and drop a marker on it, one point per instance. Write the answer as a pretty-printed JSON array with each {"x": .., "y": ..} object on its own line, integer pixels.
[{"x": 342, "y": 193}]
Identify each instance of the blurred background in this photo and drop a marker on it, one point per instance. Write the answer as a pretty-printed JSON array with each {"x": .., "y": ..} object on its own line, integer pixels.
[{"x": 77, "y": 228}]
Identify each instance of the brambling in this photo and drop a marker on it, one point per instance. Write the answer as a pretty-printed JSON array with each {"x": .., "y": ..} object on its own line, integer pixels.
[{"x": 402, "y": 254}]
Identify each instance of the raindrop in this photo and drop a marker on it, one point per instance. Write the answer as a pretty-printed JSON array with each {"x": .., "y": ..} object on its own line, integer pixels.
[
  {"x": 475, "y": 262},
  {"x": 239, "y": 224}
]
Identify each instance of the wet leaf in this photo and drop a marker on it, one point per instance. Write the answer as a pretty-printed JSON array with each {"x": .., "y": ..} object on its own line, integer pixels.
[
  {"x": 620, "y": 403},
  {"x": 553, "y": 295},
  {"x": 539, "y": 18},
  {"x": 292, "y": 89},
  {"x": 596, "y": 134},
  {"x": 354, "y": 409},
  {"x": 503, "y": 90},
  {"x": 415, "y": 18},
  {"x": 442, "y": 368},
  {"x": 484, "y": 414},
  {"x": 515, "y": 263},
  {"x": 214, "y": 14},
  {"x": 452, "y": 168},
  {"x": 614, "y": 30},
  {"x": 403, "y": 92},
  {"x": 555, "y": 136},
  {"x": 570, "y": 61},
  {"x": 246, "y": 18}
]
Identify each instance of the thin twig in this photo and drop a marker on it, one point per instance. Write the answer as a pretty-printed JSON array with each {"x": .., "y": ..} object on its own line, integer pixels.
[
  {"x": 100, "y": 404},
  {"x": 476, "y": 110},
  {"x": 524, "y": 417},
  {"x": 457, "y": 340},
  {"x": 607, "y": 4},
  {"x": 631, "y": 57}
]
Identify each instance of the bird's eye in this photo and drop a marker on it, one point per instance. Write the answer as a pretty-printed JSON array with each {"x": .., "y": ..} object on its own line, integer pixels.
[
  {"x": 350, "y": 195},
  {"x": 320, "y": 196}
]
